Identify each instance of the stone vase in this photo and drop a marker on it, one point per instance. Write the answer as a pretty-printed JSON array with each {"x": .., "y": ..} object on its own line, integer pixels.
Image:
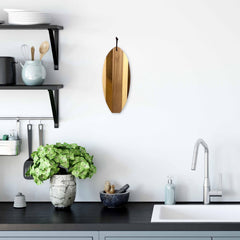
[{"x": 62, "y": 190}]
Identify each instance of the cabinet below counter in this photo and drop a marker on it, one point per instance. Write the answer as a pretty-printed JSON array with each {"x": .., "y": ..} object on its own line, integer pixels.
[{"x": 115, "y": 235}]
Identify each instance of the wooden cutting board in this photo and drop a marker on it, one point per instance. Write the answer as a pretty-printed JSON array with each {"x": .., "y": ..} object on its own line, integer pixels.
[{"x": 116, "y": 79}]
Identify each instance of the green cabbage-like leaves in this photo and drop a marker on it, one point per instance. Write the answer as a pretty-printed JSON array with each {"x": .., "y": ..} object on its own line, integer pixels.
[{"x": 49, "y": 159}]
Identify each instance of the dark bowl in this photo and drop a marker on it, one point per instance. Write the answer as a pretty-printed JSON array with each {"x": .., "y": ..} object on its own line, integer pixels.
[{"x": 114, "y": 200}]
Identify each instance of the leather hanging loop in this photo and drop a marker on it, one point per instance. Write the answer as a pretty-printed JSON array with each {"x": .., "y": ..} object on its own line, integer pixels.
[{"x": 116, "y": 43}]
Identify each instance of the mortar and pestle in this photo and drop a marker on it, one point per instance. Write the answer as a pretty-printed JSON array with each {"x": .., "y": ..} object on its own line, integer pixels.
[{"x": 112, "y": 198}]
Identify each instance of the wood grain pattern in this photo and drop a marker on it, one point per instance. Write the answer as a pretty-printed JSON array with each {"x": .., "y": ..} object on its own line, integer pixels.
[
  {"x": 125, "y": 79},
  {"x": 116, "y": 80}
]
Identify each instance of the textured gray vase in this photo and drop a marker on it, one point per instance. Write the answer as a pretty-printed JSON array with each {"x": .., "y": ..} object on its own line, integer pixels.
[{"x": 62, "y": 190}]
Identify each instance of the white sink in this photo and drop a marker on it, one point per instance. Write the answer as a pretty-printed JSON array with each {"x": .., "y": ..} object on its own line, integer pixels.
[{"x": 196, "y": 213}]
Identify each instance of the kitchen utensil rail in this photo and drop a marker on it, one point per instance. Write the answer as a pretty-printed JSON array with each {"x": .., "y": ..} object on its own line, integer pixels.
[{"x": 27, "y": 118}]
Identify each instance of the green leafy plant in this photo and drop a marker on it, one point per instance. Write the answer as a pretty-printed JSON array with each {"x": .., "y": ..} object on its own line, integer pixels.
[{"x": 61, "y": 159}]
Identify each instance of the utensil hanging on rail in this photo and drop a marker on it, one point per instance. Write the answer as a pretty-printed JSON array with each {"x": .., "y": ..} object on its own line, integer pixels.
[
  {"x": 40, "y": 132},
  {"x": 28, "y": 163}
]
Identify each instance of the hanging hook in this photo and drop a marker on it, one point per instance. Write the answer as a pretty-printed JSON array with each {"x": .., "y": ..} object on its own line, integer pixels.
[
  {"x": 116, "y": 43},
  {"x": 18, "y": 128}
]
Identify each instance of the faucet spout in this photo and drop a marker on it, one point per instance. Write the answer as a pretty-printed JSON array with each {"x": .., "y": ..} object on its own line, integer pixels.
[
  {"x": 206, "y": 184},
  {"x": 206, "y": 157}
]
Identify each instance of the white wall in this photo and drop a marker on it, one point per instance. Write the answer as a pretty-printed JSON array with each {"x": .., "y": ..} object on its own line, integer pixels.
[{"x": 185, "y": 67}]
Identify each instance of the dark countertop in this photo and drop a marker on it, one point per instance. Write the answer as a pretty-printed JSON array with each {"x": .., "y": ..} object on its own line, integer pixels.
[{"x": 92, "y": 216}]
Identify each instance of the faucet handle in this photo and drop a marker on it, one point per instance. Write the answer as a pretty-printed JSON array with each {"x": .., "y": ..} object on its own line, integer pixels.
[{"x": 218, "y": 192}]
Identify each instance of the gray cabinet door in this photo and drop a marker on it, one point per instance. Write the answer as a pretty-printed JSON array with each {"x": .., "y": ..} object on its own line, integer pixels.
[
  {"x": 48, "y": 235},
  {"x": 157, "y": 238},
  {"x": 152, "y": 235},
  {"x": 226, "y": 238},
  {"x": 47, "y": 238}
]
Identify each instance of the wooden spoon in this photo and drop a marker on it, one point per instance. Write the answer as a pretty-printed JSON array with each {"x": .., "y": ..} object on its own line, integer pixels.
[
  {"x": 32, "y": 52},
  {"x": 43, "y": 49}
]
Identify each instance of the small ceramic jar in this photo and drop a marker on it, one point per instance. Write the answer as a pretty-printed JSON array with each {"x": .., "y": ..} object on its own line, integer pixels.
[{"x": 19, "y": 201}]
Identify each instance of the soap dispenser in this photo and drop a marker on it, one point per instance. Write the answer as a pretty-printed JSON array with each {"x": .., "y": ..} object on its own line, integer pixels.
[{"x": 170, "y": 192}]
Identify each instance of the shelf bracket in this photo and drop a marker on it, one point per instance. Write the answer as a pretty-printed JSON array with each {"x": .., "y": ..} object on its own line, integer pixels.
[
  {"x": 54, "y": 39},
  {"x": 54, "y": 99}
]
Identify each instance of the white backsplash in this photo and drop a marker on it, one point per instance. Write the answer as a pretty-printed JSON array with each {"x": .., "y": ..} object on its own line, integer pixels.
[{"x": 185, "y": 83}]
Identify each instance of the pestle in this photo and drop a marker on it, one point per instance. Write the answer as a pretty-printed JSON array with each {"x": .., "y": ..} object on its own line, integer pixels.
[{"x": 123, "y": 189}]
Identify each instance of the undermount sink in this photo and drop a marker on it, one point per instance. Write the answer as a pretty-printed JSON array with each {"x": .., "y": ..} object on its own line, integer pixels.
[{"x": 196, "y": 213}]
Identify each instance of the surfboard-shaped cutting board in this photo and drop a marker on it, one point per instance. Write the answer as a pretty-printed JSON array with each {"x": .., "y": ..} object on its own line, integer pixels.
[{"x": 116, "y": 79}]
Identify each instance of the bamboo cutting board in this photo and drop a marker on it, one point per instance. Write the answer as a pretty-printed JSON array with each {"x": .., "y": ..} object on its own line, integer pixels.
[{"x": 116, "y": 79}]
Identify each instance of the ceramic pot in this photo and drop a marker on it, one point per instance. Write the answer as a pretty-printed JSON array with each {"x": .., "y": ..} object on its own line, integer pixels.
[
  {"x": 62, "y": 190},
  {"x": 33, "y": 73},
  {"x": 7, "y": 71}
]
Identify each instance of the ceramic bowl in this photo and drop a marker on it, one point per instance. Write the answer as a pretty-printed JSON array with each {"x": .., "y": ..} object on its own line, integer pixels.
[
  {"x": 114, "y": 200},
  {"x": 25, "y": 17}
]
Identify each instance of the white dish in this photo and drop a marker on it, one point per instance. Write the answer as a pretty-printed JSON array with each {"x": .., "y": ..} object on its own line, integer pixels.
[
  {"x": 12, "y": 10},
  {"x": 196, "y": 213},
  {"x": 23, "y": 17}
]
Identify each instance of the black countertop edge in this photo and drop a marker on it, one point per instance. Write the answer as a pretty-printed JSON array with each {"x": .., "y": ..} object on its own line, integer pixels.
[{"x": 137, "y": 202}]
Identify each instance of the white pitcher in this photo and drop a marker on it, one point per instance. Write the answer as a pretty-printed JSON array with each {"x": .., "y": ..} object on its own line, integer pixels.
[{"x": 33, "y": 73}]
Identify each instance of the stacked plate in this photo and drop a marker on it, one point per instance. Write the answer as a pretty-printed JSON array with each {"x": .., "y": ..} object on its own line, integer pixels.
[{"x": 24, "y": 17}]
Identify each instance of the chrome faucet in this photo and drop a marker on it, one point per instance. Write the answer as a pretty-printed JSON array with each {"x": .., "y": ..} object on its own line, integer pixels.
[{"x": 207, "y": 193}]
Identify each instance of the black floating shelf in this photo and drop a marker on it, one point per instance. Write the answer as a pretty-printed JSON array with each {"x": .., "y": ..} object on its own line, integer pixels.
[
  {"x": 53, "y": 90},
  {"x": 53, "y": 31},
  {"x": 26, "y": 87},
  {"x": 31, "y": 27}
]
